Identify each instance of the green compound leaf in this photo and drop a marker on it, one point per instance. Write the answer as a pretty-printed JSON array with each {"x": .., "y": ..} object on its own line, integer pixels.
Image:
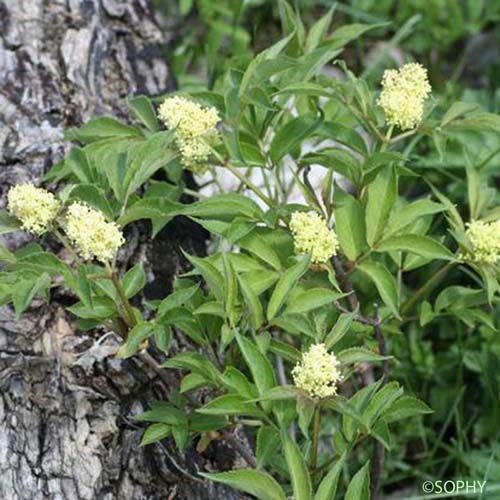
[
  {"x": 350, "y": 224},
  {"x": 143, "y": 110},
  {"x": 385, "y": 283},
  {"x": 299, "y": 475},
  {"x": 382, "y": 194},
  {"x": 359, "y": 487},
  {"x": 310, "y": 299},
  {"x": 424, "y": 246},
  {"x": 134, "y": 280},
  {"x": 252, "y": 302},
  {"x": 255, "y": 482},
  {"x": 405, "y": 407},
  {"x": 328, "y": 486},
  {"x": 260, "y": 367},
  {"x": 155, "y": 433},
  {"x": 8, "y": 223},
  {"x": 285, "y": 284},
  {"x": 292, "y": 134}
]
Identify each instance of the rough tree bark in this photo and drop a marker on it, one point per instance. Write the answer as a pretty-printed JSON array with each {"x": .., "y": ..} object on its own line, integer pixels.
[{"x": 65, "y": 401}]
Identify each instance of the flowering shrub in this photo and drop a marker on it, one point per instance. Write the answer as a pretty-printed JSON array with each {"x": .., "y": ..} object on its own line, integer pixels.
[{"x": 293, "y": 317}]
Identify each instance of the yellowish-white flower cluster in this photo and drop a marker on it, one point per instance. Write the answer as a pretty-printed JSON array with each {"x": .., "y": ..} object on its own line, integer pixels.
[
  {"x": 34, "y": 207},
  {"x": 312, "y": 234},
  {"x": 195, "y": 129},
  {"x": 485, "y": 240},
  {"x": 318, "y": 373},
  {"x": 93, "y": 236},
  {"x": 403, "y": 94}
]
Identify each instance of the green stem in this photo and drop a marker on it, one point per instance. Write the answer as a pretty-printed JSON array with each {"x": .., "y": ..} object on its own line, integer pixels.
[
  {"x": 402, "y": 136},
  {"x": 330, "y": 461},
  {"x": 249, "y": 184},
  {"x": 315, "y": 437},
  {"x": 128, "y": 313},
  {"x": 427, "y": 288},
  {"x": 361, "y": 258},
  {"x": 250, "y": 422},
  {"x": 362, "y": 118},
  {"x": 488, "y": 158},
  {"x": 66, "y": 244},
  {"x": 387, "y": 139},
  {"x": 243, "y": 178},
  {"x": 214, "y": 356},
  {"x": 270, "y": 422},
  {"x": 194, "y": 194}
]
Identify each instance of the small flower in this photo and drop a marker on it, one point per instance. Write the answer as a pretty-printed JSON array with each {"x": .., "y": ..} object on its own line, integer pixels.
[
  {"x": 403, "y": 94},
  {"x": 311, "y": 234},
  {"x": 92, "y": 234},
  {"x": 195, "y": 129},
  {"x": 485, "y": 240},
  {"x": 34, "y": 207},
  {"x": 318, "y": 373}
]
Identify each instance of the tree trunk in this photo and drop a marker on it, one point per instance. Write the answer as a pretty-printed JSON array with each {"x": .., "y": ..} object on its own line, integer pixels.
[{"x": 65, "y": 400}]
